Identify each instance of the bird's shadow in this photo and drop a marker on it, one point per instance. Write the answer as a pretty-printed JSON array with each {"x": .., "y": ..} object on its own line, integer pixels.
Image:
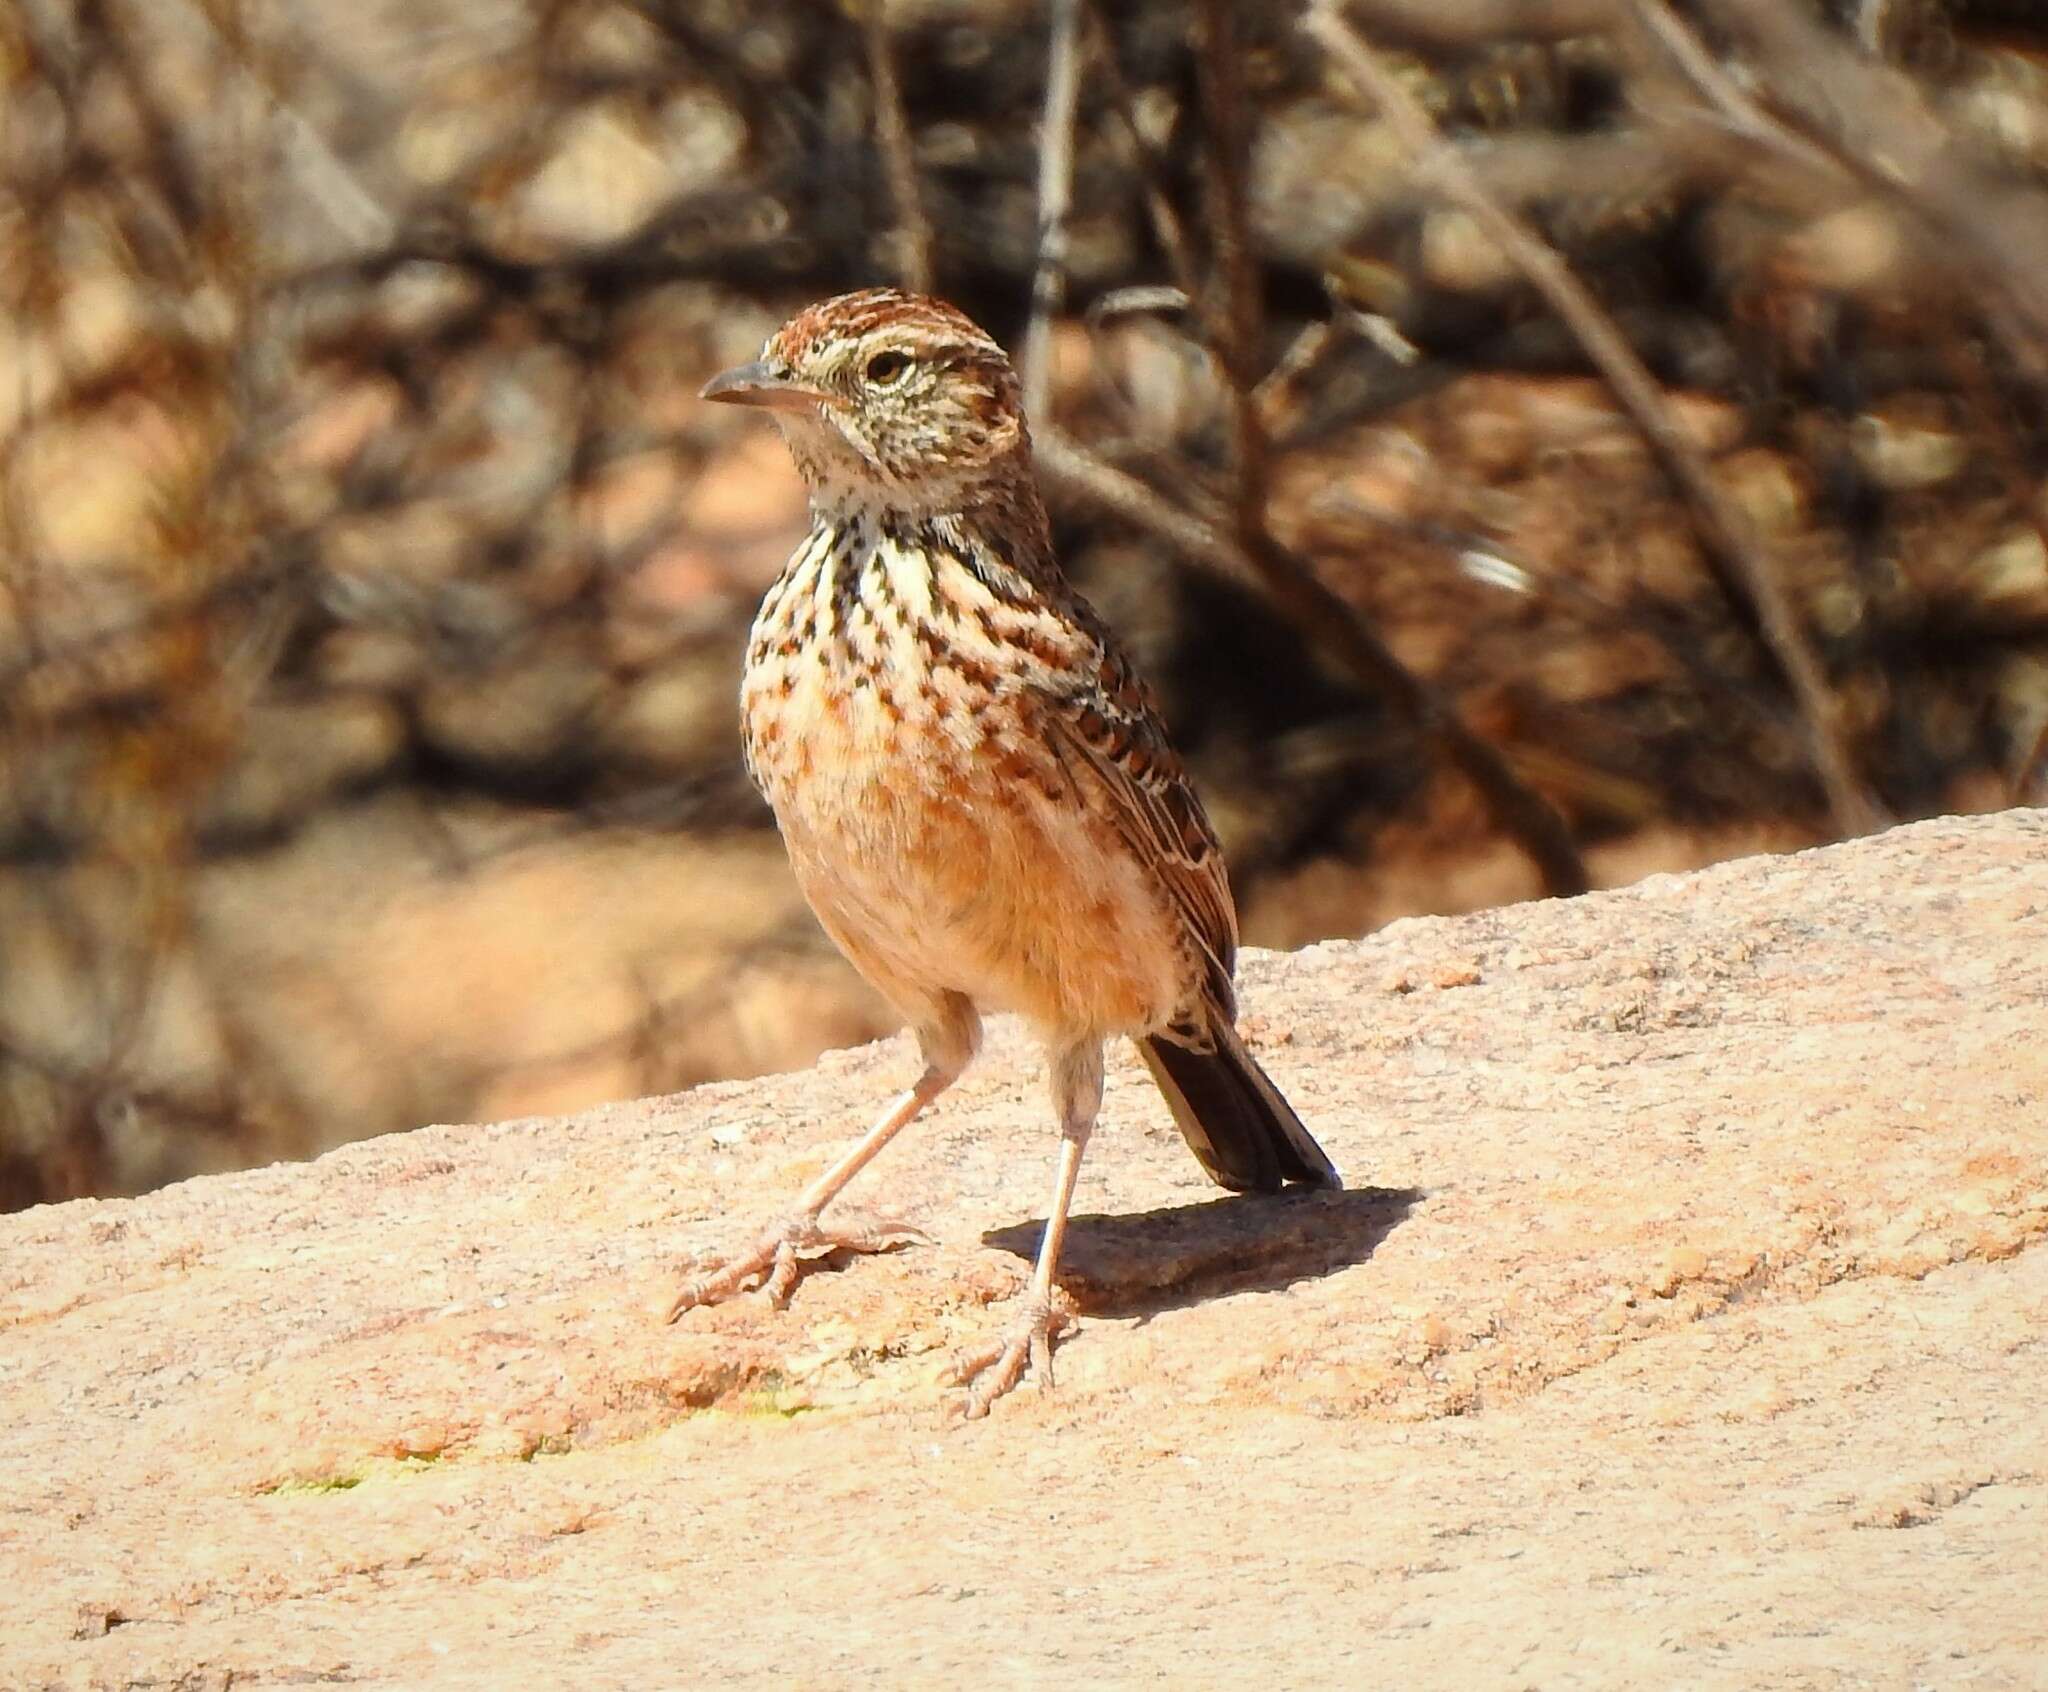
[{"x": 1154, "y": 1260}]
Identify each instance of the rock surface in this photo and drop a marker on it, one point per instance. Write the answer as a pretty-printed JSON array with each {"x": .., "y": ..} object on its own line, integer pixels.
[{"x": 1686, "y": 1324}]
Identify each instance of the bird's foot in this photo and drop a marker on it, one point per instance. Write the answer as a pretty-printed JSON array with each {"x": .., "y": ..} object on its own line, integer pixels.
[
  {"x": 781, "y": 1253},
  {"x": 995, "y": 1369}
]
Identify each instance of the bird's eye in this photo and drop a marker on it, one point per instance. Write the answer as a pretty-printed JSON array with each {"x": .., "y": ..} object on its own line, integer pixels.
[{"x": 887, "y": 367}]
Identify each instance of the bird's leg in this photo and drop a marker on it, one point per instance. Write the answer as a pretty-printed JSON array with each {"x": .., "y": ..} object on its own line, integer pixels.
[
  {"x": 780, "y": 1251},
  {"x": 996, "y": 1368}
]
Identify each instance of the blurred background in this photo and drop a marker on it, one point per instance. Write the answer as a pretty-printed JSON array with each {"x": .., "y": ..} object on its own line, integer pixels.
[{"x": 1529, "y": 443}]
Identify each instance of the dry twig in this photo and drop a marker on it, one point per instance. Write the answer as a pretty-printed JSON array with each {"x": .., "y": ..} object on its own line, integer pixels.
[
  {"x": 1733, "y": 549},
  {"x": 1336, "y": 630},
  {"x": 1471, "y": 24},
  {"x": 1234, "y": 324},
  {"x": 892, "y": 133},
  {"x": 1055, "y": 196},
  {"x": 1877, "y": 126},
  {"x": 1232, "y": 327},
  {"x": 1159, "y": 212}
]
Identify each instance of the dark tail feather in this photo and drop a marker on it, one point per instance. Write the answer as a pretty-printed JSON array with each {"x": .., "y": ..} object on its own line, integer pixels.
[{"x": 1240, "y": 1128}]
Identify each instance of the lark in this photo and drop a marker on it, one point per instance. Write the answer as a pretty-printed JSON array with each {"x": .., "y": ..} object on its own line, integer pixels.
[{"x": 976, "y": 790}]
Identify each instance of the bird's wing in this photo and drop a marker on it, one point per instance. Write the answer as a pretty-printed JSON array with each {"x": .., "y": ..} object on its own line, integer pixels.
[{"x": 1113, "y": 746}]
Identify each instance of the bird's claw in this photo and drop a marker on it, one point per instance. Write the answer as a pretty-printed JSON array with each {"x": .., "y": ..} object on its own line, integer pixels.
[
  {"x": 780, "y": 1254},
  {"x": 997, "y": 1367}
]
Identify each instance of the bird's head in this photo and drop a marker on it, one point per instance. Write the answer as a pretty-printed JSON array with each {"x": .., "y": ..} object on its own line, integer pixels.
[{"x": 888, "y": 399}]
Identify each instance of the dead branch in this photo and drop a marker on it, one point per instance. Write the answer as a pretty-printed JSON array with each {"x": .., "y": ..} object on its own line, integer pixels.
[
  {"x": 892, "y": 133},
  {"x": 2030, "y": 776},
  {"x": 1055, "y": 198},
  {"x": 1876, "y": 124},
  {"x": 1159, "y": 212},
  {"x": 1234, "y": 325},
  {"x": 1334, "y": 628},
  {"x": 318, "y": 176},
  {"x": 1471, "y": 25},
  {"x": 1733, "y": 549}
]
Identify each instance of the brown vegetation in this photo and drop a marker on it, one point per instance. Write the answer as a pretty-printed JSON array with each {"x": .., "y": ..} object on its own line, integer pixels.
[{"x": 1528, "y": 444}]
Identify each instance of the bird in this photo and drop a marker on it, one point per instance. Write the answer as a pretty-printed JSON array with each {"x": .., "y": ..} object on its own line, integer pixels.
[{"x": 976, "y": 789}]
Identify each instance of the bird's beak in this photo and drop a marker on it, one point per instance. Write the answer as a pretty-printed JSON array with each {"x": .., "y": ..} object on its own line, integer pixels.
[{"x": 758, "y": 384}]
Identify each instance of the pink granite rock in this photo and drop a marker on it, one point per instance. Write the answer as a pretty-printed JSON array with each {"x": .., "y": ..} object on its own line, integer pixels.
[{"x": 1686, "y": 1323}]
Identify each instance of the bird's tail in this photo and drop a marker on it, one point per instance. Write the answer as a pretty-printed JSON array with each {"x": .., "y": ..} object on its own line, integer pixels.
[{"x": 1240, "y": 1128}]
